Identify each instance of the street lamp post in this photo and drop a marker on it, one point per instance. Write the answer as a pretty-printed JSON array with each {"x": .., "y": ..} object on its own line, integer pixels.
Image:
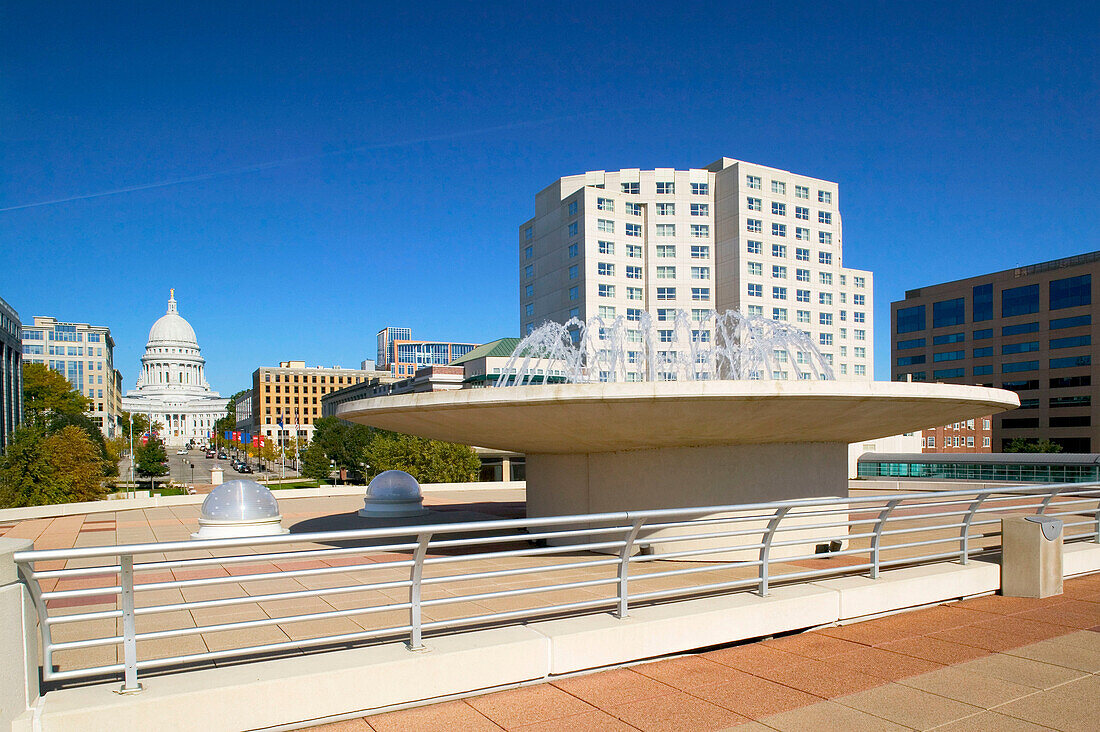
[{"x": 132, "y": 454}]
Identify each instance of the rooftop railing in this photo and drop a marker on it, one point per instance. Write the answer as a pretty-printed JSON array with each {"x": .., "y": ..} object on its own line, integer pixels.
[{"x": 132, "y": 609}]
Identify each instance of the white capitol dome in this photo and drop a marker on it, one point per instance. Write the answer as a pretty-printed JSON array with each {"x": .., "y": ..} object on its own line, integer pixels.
[
  {"x": 172, "y": 386},
  {"x": 172, "y": 328}
]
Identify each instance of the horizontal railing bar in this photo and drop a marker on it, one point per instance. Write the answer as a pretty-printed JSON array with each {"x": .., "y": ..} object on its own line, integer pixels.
[
  {"x": 676, "y": 591},
  {"x": 530, "y": 552},
  {"x": 493, "y": 574},
  {"x": 235, "y": 578},
  {"x": 510, "y": 614},
  {"x": 642, "y": 558},
  {"x": 519, "y": 591}
]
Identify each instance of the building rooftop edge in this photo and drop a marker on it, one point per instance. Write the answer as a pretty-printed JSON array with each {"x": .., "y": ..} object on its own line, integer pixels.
[{"x": 1028, "y": 269}]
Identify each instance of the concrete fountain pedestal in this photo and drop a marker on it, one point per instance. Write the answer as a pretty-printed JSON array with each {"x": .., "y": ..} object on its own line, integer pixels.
[{"x": 627, "y": 446}]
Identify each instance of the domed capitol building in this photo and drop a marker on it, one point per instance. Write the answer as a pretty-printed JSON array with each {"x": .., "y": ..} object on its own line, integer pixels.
[{"x": 171, "y": 387}]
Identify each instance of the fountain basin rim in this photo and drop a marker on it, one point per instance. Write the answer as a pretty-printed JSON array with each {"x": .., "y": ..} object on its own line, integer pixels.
[{"x": 606, "y": 417}]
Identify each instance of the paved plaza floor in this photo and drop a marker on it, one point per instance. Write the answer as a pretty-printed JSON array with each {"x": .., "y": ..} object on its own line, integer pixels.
[{"x": 988, "y": 664}]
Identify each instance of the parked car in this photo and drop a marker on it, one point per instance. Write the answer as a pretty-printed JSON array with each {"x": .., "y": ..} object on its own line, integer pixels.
[
  {"x": 181, "y": 451},
  {"x": 222, "y": 456},
  {"x": 209, "y": 453},
  {"x": 244, "y": 469}
]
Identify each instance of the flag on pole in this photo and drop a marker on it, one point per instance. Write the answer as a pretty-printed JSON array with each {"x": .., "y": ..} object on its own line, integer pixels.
[
  {"x": 246, "y": 438},
  {"x": 236, "y": 436},
  {"x": 228, "y": 435}
]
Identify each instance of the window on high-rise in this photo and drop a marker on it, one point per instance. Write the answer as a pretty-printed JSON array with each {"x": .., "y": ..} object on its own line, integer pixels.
[
  {"x": 779, "y": 187},
  {"x": 755, "y": 268},
  {"x": 574, "y": 293},
  {"x": 779, "y": 313},
  {"x": 700, "y": 293},
  {"x": 824, "y": 237},
  {"x": 633, "y": 229},
  {"x": 779, "y": 209},
  {"x": 606, "y": 290},
  {"x": 631, "y": 188},
  {"x": 911, "y": 319},
  {"x": 802, "y": 212},
  {"x": 572, "y": 208},
  {"x": 700, "y": 251},
  {"x": 528, "y": 252},
  {"x": 666, "y": 273},
  {"x": 983, "y": 302},
  {"x": 824, "y": 217},
  {"x": 666, "y": 250},
  {"x": 756, "y": 290},
  {"x": 802, "y": 295},
  {"x": 824, "y": 196},
  {"x": 752, "y": 181},
  {"x": 700, "y": 209},
  {"x": 1019, "y": 300},
  {"x": 801, "y": 192},
  {"x": 779, "y": 271},
  {"x": 825, "y": 298},
  {"x": 605, "y": 204},
  {"x": 753, "y": 247},
  {"x": 633, "y": 293},
  {"x": 1071, "y": 292},
  {"x": 605, "y": 225},
  {"x": 666, "y": 229},
  {"x": 633, "y": 273},
  {"x": 634, "y": 251},
  {"x": 606, "y": 269},
  {"x": 665, "y": 188},
  {"x": 700, "y": 231},
  {"x": 779, "y": 293},
  {"x": 779, "y": 250},
  {"x": 574, "y": 272},
  {"x": 573, "y": 228},
  {"x": 825, "y": 257},
  {"x": 700, "y": 273},
  {"x": 779, "y": 229},
  {"x": 633, "y": 209},
  {"x": 666, "y": 293},
  {"x": 573, "y": 250},
  {"x": 755, "y": 204},
  {"x": 700, "y": 189},
  {"x": 826, "y": 278},
  {"x": 666, "y": 209},
  {"x": 607, "y": 247},
  {"x": 801, "y": 233}
]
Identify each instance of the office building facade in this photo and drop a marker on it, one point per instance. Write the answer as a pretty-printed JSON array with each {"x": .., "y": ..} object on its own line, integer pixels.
[
  {"x": 402, "y": 356},
  {"x": 291, "y": 394},
  {"x": 733, "y": 235},
  {"x": 11, "y": 372},
  {"x": 85, "y": 355},
  {"x": 967, "y": 436},
  {"x": 1028, "y": 329}
]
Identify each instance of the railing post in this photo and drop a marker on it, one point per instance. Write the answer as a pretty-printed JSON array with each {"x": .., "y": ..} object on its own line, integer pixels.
[
  {"x": 130, "y": 683},
  {"x": 18, "y": 645},
  {"x": 766, "y": 548},
  {"x": 876, "y": 540},
  {"x": 416, "y": 642},
  {"x": 624, "y": 566},
  {"x": 964, "y": 535},
  {"x": 1047, "y": 500}
]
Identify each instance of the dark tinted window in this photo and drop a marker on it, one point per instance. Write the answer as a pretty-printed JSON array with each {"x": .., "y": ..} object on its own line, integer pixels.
[
  {"x": 948, "y": 338},
  {"x": 949, "y": 312},
  {"x": 914, "y": 343},
  {"x": 910, "y": 360},
  {"x": 1010, "y": 330},
  {"x": 1071, "y": 292},
  {"x": 983, "y": 302},
  {"x": 984, "y": 333},
  {"x": 911, "y": 319},
  {"x": 1019, "y": 301},
  {"x": 1073, "y": 322}
]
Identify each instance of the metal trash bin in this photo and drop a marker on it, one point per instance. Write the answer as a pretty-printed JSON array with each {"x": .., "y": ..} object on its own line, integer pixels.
[{"x": 1031, "y": 559}]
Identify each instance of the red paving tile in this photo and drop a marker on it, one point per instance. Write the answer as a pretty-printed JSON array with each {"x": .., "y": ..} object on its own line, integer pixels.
[
  {"x": 935, "y": 649},
  {"x": 883, "y": 664},
  {"x": 821, "y": 678},
  {"x": 528, "y": 705},
  {"x": 81, "y": 601},
  {"x": 812, "y": 645},
  {"x": 987, "y": 638},
  {"x": 754, "y": 697},
  {"x": 610, "y": 688},
  {"x": 595, "y": 721},
  {"x": 687, "y": 672},
  {"x": 750, "y": 657},
  {"x": 676, "y": 712}
]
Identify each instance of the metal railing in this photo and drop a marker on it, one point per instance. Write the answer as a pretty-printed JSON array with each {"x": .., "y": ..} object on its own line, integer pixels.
[{"x": 96, "y": 618}]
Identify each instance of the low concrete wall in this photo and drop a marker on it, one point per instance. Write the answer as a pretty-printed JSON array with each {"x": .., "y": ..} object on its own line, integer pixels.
[{"x": 127, "y": 504}]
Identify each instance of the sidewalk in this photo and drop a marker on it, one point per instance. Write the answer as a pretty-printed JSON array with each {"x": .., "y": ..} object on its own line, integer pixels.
[{"x": 991, "y": 663}]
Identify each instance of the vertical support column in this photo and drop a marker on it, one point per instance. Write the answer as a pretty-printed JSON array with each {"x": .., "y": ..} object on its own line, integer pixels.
[
  {"x": 18, "y": 644},
  {"x": 130, "y": 683},
  {"x": 624, "y": 566},
  {"x": 416, "y": 641},
  {"x": 766, "y": 547}
]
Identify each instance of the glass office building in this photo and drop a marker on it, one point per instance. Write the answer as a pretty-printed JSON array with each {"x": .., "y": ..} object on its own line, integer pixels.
[
  {"x": 995, "y": 467},
  {"x": 11, "y": 372}
]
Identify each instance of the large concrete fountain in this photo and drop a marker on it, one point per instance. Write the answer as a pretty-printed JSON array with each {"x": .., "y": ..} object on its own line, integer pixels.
[{"x": 720, "y": 433}]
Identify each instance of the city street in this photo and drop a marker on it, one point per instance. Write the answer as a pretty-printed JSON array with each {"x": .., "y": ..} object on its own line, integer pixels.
[{"x": 180, "y": 471}]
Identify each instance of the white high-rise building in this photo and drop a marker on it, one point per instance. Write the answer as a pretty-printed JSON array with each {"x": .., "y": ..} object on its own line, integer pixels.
[
  {"x": 733, "y": 235},
  {"x": 171, "y": 386}
]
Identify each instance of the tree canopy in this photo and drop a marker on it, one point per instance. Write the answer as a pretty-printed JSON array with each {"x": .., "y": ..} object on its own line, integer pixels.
[
  {"x": 41, "y": 467},
  {"x": 47, "y": 394},
  {"x": 351, "y": 446},
  {"x": 1022, "y": 444},
  {"x": 150, "y": 459}
]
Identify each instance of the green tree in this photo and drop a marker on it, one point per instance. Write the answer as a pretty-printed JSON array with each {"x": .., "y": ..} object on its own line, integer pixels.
[
  {"x": 151, "y": 460},
  {"x": 47, "y": 394},
  {"x": 429, "y": 461},
  {"x": 41, "y": 467},
  {"x": 1022, "y": 444},
  {"x": 344, "y": 443},
  {"x": 141, "y": 424},
  {"x": 315, "y": 464}
]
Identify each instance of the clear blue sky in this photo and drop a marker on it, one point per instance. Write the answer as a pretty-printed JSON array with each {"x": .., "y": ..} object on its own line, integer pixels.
[{"x": 345, "y": 166}]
